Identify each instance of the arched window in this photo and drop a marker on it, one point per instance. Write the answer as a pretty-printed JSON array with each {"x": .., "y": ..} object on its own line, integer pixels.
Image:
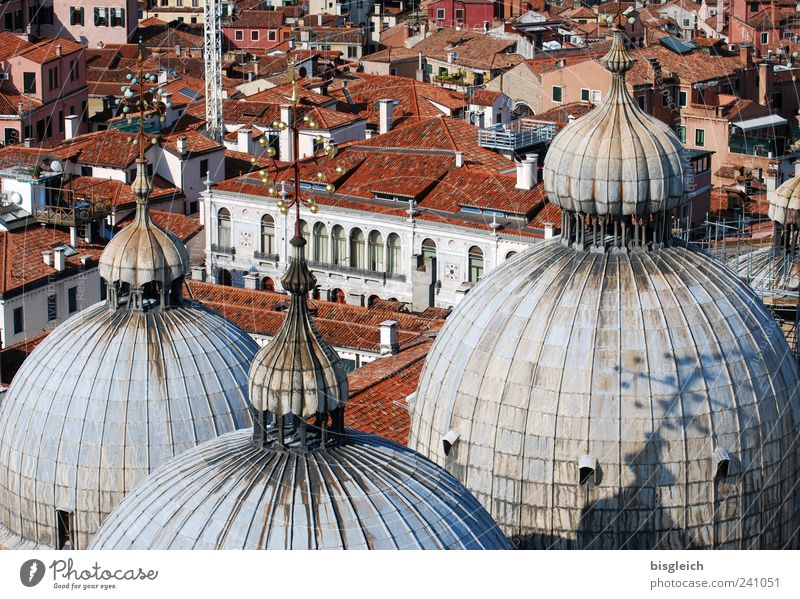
[
  {"x": 320, "y": 243},
  {"x": 267, "y": 234},
  {"x": 357, "y": 247},
  {"x": 339, "y": 246},
  {"x": 267, "y": 284},
  {"x": 224, "y": 235},
  {"x": 428, "y": 248},
  {"x": 475, "y": 264},
  {"x": 337, "y": 295},
  {"x": 375, "y": 252},
  {"x": 224, "y": 278},
  {"x": 393, "y": 250},
  {"x": 305, "y": 232},
  {"x": 510, "y": 255}
]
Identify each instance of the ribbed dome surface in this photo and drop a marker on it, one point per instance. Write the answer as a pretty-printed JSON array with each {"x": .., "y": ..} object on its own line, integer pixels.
[
  {"x": 107, "y": 397},
  {"x": 784, "y": 206},
  {"x": 368, "y": 494},
  {"x": 637, "y": 366},
  {"x": 617, "y": 159},
  {"x": 143, "y": 252}
]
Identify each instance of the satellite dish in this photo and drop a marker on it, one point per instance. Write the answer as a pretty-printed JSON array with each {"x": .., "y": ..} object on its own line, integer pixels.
[
  {"x": 16, "y": 197},
  {"x": 56, "y": 167}
]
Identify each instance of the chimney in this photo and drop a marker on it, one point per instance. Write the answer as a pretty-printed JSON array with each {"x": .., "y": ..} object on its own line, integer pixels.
[
  {"x": 386, "y": 106},
  {"x": 319, "y": 20},
  {"x": 47, "y": 256},
  {"x": 73, "y": 236},
  {"x": 167, "y": 99},
  {"x": 548, "y": 230},
  {"x": 389, "y": 343},
  {"x": 28, "y": 142},
  {"x": 182, "y": 145},
  {"x": 746, "y": 55},
  {"x": 526, "y": 172},
  {"x": 764, "y": 82},
  {"x": 58, "y": 49},
  {"x": 71, "y": 124},
  {"x": 60, "y": 259},
  {"x": 177, "y": 50},
  {"x": 459, "y": 159},
  {"x": 368, "y": 134},
  {"x": 198, "y": 273},
  {"x": 244, "y": 140},
  {"x": 251, "y": 280},
  {"x": 285, "y": 142},
  {"x": 721, "y": 12}
]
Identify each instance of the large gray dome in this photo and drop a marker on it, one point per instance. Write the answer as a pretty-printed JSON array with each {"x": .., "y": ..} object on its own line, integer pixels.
[
  {"x": 605, "y": 399},
  {"x": 368, "y": 493},
  {"x": 107, "y": 397}
]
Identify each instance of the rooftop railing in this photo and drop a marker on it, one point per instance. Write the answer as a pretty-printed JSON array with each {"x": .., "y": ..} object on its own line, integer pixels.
[{"x": 518, "y": 134}]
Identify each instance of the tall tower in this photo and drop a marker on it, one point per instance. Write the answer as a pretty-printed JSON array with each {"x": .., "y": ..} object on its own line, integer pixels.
[{"x": 212, "y": 50}]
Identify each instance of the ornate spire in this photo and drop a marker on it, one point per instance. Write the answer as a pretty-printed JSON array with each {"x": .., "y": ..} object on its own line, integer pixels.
[
  {"x": 297, "y": 376},
  {"x": 617, "y": 172},
  {"x": 143, "y": 261}
]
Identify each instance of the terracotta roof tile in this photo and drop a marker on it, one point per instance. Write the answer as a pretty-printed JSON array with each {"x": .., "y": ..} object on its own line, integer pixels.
[{"x": 21, "y": 260}]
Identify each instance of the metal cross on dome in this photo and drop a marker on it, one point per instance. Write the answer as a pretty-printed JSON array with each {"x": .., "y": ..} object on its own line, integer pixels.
[
  {"x": 295, "y": 199},
  {"x": 142, "y": 96}
]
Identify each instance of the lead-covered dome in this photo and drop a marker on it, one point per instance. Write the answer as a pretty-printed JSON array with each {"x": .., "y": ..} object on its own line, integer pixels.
[
  {"x": 117, "y": 390},
  {"x": 616, "y": 160},
  {"x": 617, "y": 399},
  {"x": 368, "y": 493},
  {"x": 143, "y": 252},
  {"x": 784, "y": 205},
  {"x": 107, "y": 397}
]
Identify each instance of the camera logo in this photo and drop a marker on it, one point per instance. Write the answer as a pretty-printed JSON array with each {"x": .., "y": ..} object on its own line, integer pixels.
[{"x": 31, "y": 572}]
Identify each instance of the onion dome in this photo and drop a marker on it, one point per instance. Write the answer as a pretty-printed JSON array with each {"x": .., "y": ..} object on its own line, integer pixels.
[
  {"x": 300, "y": 480},
  {"x": 116, "y": 391},
  {"x": 784, "y": 205},
  {"x": 616, "y": 387},
  {"x": 143, "y": 254},
  {"x": 644, "y": 399},
  {"x": 617, "y": 160},
  {"x": 298, "y": 372}
]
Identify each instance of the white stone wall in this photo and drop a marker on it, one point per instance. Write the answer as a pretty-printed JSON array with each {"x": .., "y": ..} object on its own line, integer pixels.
[{"x": 452, "y": 243}]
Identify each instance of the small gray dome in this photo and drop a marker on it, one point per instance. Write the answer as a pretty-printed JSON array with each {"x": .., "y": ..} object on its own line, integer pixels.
[
  {"x": 143, "y": 252},
  {"x": 107, "y": 397},
  {"x": 639, "y": 399},
  {"x": 617, "y": 159},
  {"x": 784, "y": 205},
  {"x": 369, "y": 493}
]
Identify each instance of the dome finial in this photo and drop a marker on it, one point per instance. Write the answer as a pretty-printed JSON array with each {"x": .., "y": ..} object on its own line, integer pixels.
[
  {"x": 298, "y": 375},
  {"x": 618, "y": 60},
  {"x": 143, "y": 263}
]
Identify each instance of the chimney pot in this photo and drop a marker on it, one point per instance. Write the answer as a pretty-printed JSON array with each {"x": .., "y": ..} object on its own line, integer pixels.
[
  {"x": 47, "y": 257},
  {"x": 526, "y": 172},
  {"x": 459, "y": 159},
  {"x": 59, "y": 259},
  {"x": 182, "y": 145},
  {"x": 71, "y": 124},
  {"x": 58, "y": 49},
  {"x": 386, "y": 108},
  {"x": 389, "y": 343}
]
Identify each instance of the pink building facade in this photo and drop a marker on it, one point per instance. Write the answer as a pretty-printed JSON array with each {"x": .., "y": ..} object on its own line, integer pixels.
[
  {"x": 47, "y": 80},
  {"x": 473, "y": 14},
  {"x": 84, "y": 21}
]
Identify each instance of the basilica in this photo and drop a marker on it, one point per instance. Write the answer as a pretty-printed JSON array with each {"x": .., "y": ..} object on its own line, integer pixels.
[{"x": 610, "y": 388}]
